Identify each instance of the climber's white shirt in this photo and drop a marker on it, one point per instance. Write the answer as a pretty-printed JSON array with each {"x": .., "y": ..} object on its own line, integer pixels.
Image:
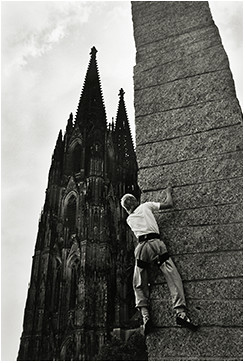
[{"x": 142, "y": 220}]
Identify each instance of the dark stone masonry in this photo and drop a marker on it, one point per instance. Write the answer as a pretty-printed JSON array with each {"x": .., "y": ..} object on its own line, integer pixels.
[{"x": 189, "y": 134}]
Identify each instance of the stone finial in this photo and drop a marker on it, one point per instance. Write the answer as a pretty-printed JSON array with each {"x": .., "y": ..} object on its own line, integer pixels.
[
  {"x": 93, "y": 52},
  {"x": 121, "y": 93}
]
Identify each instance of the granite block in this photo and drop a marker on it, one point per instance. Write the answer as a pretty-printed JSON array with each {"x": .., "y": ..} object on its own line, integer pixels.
[
  {"x": 146, "y": 11},
  {"x": 213, "y": 265},
  {"x": 172, "y": 49},
  {"x": 190, "y": 120},
  {"x": 196, "y": 239},
  {"x": 204, "y": 266},
  {"x": 203, "y": 359},
  {"x": 201, "y": 170},
  {"x": 202, "y": 312},
  {"x": 200, "y": 62},
  {"x": 184, "y": 92},
  {"x": 207, "y": 342},
  {"x": 202, "y": 194},
  {"x": 209, "y": 143},
  {"x": 167, "y": 23},
  {"x": 209, "y": 290},
  {"x": 205, "y": 216}
]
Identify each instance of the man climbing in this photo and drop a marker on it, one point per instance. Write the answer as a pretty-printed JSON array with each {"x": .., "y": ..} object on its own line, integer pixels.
[{"x": 149, "y": 251}]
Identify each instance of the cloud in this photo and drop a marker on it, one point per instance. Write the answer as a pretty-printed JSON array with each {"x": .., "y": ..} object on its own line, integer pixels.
[
  {"x": 38, "y": 32},
  {"x": 57, "y": 34}
]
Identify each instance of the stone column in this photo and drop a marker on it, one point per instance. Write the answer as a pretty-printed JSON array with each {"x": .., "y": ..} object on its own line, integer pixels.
[{"x": 189, "y": 134}]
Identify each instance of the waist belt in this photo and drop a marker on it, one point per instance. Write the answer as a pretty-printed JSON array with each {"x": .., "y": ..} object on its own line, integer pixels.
[
  {"x": 146, "y": 237},
  {"x": 158, "y": 260}
]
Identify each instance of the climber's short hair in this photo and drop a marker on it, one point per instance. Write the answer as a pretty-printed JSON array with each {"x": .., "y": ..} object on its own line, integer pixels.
[{"x": 128, "y": 201}]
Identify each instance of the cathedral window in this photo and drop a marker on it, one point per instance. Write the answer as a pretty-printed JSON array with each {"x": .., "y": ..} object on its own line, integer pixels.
[
  {"x": 57, "y": 287},
  {"x": 96, "y": 165},
  {"x": 70, "y": 215},
  {"x": 73, "y": 284},
  {"x": 76, "y": 158}
]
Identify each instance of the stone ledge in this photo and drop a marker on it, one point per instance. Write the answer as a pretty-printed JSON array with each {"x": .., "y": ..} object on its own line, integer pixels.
[
  {"x": 213, "y": 265},
  {"x": 204, "y": 61},
  {"x": 211, "y": 143},
  {"x": 202, "y": 266},
  {"x": 144, "y": 12},
  {"x": 206, "y": 169},
  {"x": 211, "y": 290},
  {"x": 226, "y": 313},
  {"x": 176, "y": 358},
  {"x": 163, "y": 51},
  {"x": 184, "y": 92},
  {"x": 227, "y": 191},
  {"x": 207, "y": 342},
  {"x": 205, "y": 216},
  {"x": 177, "y": 23},
  {"x": 199, "y": 239},
  {"x": 186, "y": 121}
]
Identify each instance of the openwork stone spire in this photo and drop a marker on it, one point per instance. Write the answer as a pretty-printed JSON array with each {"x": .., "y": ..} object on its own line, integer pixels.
[
  {"x": 123, "y": 137},
  {"x": 91, "y": 109}
]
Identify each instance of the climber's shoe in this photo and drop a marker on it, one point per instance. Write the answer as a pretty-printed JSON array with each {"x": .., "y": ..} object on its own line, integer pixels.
[{"x": 183, "y": 320}]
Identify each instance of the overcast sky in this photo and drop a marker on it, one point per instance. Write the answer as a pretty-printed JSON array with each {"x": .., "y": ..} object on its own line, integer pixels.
[{"x": 45, "y": 54}]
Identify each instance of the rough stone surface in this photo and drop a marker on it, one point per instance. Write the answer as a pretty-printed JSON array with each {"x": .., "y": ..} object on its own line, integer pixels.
[
  {"x": 197, "y": 239},
  {"x": 188, "y": 66},
  {"x": 217, "y": 289},
  {"x": 189, "y": 134},
  {"x": 202, "y": 266},
  {"x": 188, "y": 17},
  {"x": 219, "y": 342},
  {"x": 203, "y": 312},
  {"x": 184, "y": 92},
  {"x": 228, "y": 139},
  {"x": 204, "y": 194},
  {"x": 210, "y": 115},
  {"x": 213, "y": 215},
  {"x": 206, "y": 169},
  {"x": 170, "y": 49}
]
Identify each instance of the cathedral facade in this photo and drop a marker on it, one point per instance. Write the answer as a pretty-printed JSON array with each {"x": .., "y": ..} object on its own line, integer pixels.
[{"x": 79, "y": 290}]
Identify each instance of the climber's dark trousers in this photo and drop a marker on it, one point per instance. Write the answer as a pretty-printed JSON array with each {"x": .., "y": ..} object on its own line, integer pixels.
[{"x": 146, "y": 252}]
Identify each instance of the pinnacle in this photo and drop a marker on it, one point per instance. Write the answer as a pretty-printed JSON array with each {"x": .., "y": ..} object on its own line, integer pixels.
[
  {"x": 93, "y": 52},
  {"x": 91, "y": 98},
  {"x": 59, "y": 136},
  {"x": 121, "y": 93},
  {"x": 123, "y": 135},
  {"x": 69, "y": 125}
]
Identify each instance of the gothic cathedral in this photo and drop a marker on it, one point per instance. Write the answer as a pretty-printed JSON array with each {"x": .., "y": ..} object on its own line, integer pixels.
[{"x": 79, "y": 289}]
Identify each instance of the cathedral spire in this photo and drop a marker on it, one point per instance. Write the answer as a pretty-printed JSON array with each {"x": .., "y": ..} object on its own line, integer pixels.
[
  {"x": 123, "y": 137},
  {"x": 58, "y": 147},
  {"x": 56, "y": 163},
  {"x": 91, "y": 110},
  {"x": 69, "y": 125}
]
